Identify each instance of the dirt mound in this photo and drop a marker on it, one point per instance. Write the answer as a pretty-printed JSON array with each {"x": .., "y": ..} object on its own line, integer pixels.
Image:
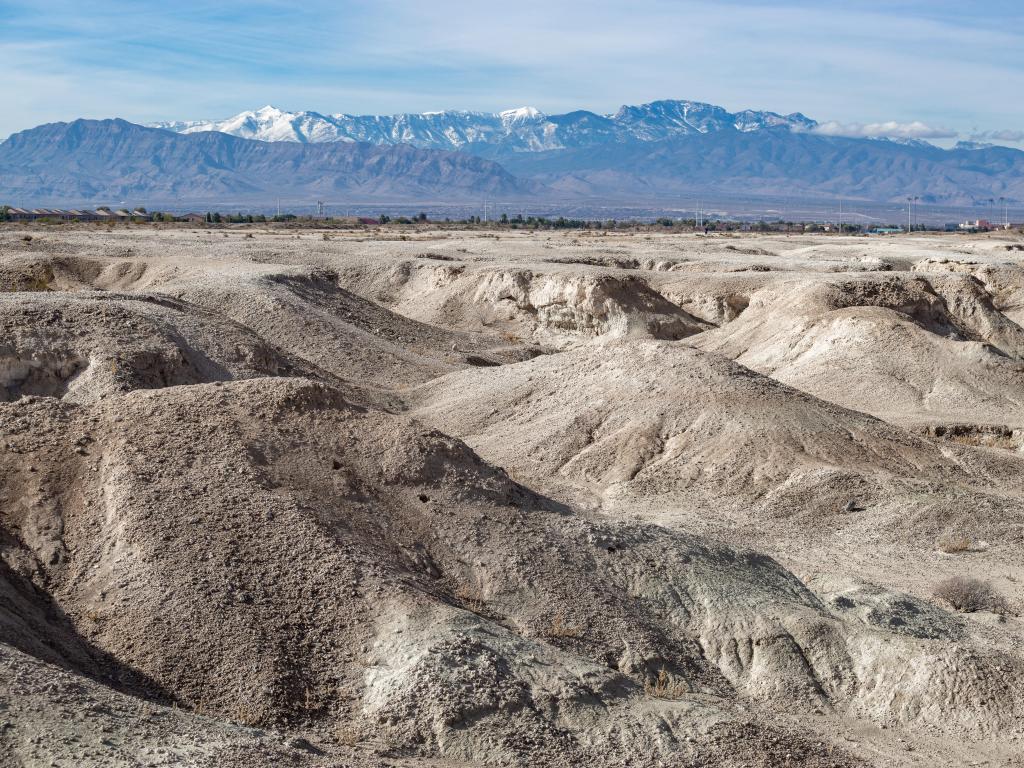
[
  {"x": 52, "y": 717},
  {"x": 86, "y": 346},
  {"x": 654, "y": 419},
  {"x": 555, "y": 308},
  {"x": 298, "y": 309},
  {"x": 359, "y": 570},
  {"x": 909, "y": 350}
]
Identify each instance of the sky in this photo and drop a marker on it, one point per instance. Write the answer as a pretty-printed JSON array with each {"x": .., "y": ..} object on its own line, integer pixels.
[{"x": 936, "y": 70}]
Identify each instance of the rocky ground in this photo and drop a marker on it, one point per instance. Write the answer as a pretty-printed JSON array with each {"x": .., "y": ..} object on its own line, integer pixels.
[{"x": 428, "y": 498}]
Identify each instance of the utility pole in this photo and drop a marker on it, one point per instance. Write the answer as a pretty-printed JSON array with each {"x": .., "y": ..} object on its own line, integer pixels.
[
  {"x": 910, "y": 224},
  {"x": 840, "y": 215}
]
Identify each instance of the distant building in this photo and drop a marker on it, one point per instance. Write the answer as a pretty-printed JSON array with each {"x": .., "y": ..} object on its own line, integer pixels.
[
  {"x": 978, "y": 225},
  {"x": 75, "y": 214},
  {"x": 50, "y": 214}
]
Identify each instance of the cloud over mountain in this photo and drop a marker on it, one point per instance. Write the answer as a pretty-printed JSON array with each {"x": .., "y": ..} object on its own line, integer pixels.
[{"x": 891, "y": 129}]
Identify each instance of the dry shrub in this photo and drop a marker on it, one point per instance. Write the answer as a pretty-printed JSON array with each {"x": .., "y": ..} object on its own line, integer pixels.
[
  {"x": 559, "y": 628},
  {"x": 348, "y": 735},
  {"x": 95, "y": 615},
  {"x": 246, "y": 712},
  {"x": 968, "y": 595},
  {"x": 954, "y": 544},
  {"x": 666, "y": 686},
  {"x": 471, "y": 595}
]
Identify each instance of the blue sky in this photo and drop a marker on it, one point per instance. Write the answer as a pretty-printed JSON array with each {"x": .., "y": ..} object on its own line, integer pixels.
[{"x": 938, "y": 69}]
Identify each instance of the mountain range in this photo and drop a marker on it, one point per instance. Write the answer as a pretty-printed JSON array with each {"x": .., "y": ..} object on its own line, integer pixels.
[
  {"x": 88, "y": 160},
  {"x": 658, "y": 153},
  {"x": 515, "y": 130}
]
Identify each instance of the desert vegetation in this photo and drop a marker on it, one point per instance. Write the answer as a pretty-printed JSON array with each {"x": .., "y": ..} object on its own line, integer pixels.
[{"x": 968, "y": 595}]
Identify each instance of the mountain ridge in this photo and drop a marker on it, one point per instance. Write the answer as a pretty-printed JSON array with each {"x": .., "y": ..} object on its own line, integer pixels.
[
  {"x": 686, "y": 151},
  {"x": 525, "y": 129},
  {"x": 114, "y": 159}
]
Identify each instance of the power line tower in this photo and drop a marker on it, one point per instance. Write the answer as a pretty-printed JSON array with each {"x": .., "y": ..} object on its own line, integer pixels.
[{"x": 320, "y": 208}]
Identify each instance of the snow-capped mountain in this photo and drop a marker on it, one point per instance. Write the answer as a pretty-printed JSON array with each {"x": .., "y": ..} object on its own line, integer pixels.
[
  {"x": 114, "y": 159},
  {"x": 516, "y": 130},
  {"x": 661, "y": 152}
]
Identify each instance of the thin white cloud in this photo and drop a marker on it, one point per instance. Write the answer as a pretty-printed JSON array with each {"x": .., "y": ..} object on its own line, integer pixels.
[
  {"x": 887, "y": 130},
  {"x": 1010, "y": 135},
  {"x": 389, "y": 56}
]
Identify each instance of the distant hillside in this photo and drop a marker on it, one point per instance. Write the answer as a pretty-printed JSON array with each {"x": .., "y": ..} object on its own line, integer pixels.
[
  {"x": 112, "y": 159},
  {"x": 778, "y": 163},
  {"x": 671, "y": 150},
  {"x": 668, "y": 148}
]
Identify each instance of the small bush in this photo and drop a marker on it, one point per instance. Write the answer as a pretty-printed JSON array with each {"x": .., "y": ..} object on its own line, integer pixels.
[
  {"x": 472, "y": 595},
  {"x": 666, "y": 686},
  {"x": 559, "y": 628},
  {"x": 348, "y": 734},
  {"x": 954, "y": 544},
  {"x": 968, "y": 595}
]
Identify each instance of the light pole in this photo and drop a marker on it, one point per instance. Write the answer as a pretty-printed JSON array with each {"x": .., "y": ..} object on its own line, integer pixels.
[{"x": 910, "y": 225}]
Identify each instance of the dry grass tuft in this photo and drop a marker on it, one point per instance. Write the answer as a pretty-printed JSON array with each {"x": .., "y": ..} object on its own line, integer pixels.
[
  {"x": 968, "y": 595},
  {"x": 245, "y": 712},
  {"x": 954, "y": 544},
  {"x": 471, "y": 595},
  {"x": 348, "y": 735},
  {"x": 559, "y": 628},
  {"x": 666, "y": 686}
]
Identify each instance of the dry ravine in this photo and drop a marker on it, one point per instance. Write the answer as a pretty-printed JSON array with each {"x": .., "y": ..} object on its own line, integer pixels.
[{"x": 276, "y": 498}]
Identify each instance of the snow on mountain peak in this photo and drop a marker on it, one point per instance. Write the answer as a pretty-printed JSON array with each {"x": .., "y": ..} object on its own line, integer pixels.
[
  {"x": 524, "y": 129},
  {"x": 521, "y": 115}
]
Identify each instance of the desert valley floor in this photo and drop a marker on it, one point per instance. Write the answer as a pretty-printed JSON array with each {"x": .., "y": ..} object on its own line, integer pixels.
[{"x": 275, "y": 497}]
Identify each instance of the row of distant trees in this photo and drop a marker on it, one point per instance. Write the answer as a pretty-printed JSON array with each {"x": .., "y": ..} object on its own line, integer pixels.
[{"x": 516, "y": 221}]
